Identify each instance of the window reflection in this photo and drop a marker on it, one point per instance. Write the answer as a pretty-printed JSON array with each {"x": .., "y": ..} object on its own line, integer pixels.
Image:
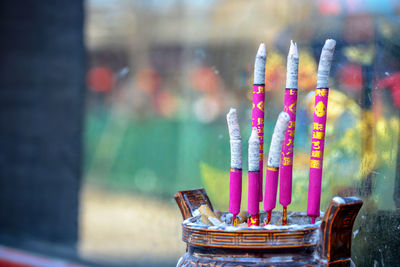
[{"x": 162, "y": 76}]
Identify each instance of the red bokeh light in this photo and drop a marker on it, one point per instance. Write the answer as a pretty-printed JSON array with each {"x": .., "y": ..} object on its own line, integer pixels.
[
  {"x": 350, "y": 76},
  {"x": 100, "y": 79},
  {"x": 148, "y": 80},
  {"x": 205, "y": 80}
]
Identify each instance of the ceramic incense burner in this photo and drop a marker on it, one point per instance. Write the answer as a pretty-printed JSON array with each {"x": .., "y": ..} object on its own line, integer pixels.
[{"x": 325, "y": 243}]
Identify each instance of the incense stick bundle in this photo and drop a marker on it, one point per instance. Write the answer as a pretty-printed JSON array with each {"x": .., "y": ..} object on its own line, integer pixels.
[
  {"x": 318, "y": 132},
  {"x": 286, "y": 166},
  {"x": 235, "y": 183},
  {"x": 274, "y": 156},
  {"x": 258, "y": 107},
  {"x": 254, "y": 172}
]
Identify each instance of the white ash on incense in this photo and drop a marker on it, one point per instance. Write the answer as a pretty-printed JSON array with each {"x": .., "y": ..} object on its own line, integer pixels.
[
  {"x": 235, "y": 139},
  {"x": 277, "y": 139},
  {"x": 254, "y": 151},
  {"x": 259, "y": 65},
  {"x": 325, "y": 63},
  {"x": 292, "y": 66}
]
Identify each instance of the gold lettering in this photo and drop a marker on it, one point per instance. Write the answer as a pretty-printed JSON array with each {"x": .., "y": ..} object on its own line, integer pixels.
[
  {"x": 290, "y": 142},
  {"x": 316, "y": 154},
  {"x": 260, "y": 106},
  {"x": 318, "y": 135},
  {"x": 318, "y": 126},
  {"x": 292, "y": 108},
  {"x": 290, "y": 150},
  {"x": 316, "y": 164},
  {"x": 286, "y": 161},
  {"x": 320, "y": 109},
  {"x": 316, "y": 145}
]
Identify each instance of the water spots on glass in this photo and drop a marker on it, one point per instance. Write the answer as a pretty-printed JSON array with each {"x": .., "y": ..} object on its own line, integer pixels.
[
  {"x": 123, "y": 72},
  {"x": 355, "y": 233},
  {"x": 216, "y": 71},
  {"x": 173, "y": 69},
  {"x": 206, "y": 109}
]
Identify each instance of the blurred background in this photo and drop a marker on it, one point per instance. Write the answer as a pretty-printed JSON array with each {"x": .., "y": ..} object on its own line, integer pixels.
[{"x": 109, "y": 107}]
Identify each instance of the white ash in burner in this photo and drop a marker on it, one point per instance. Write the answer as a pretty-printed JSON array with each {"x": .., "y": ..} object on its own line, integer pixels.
[{"x": 204, "y": 217}]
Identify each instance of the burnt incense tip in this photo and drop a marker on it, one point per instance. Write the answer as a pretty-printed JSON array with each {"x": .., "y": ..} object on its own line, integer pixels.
[
  {"x": 325, "y": 63},
  {"x": 232, "y": 111},
  {"x": 284, "y": 116},
  {"x": 254, "y": 135},
  {"x": 330, "y": 44},
  {"x": 293, "y": 50},
  {"x": 233, "y": 124},
  {"x": 262, "y": 52},
  {"x": 292, "y": 71},
  {"x": 232, "y": 117},
  {"x": 259, "y": 65},
  {"x": 281, "y": 125},
  {"x": 254, "y": 157},
  {"x": 235, "y": 139}
]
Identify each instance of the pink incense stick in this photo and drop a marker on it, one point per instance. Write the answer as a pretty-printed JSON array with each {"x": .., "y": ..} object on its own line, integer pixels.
[
  {"x": 271, "y": 177},
  {"x": 235, "y": 193},
  {"x": 271, "y": 188},
  {"x": 235, "y": 184},
  {"x": 318, "y": 132},
  {"x": 258, "y": 121},
  {"x": 254, "y": 173},
  {"x": 286, "y": 166},
  {"x": 253, "y": 206},
  {"x": 258, "y": 107}
]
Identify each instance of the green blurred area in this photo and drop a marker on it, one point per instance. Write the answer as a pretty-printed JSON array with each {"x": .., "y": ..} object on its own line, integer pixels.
[
  {"x": 154, "y": 156},
  {"x": 159, "y": 157}
]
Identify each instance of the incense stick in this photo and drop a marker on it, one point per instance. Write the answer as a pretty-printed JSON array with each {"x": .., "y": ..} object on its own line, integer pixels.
[
  {"x": 274, "y": 156},
  {"x": 235, "y": 183},
  {"x": 286, "y": 166},
  {"x": 318, "y": 132},
  {"x": 254, "y": 172},
  {"x": 258, "y": 107}
]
